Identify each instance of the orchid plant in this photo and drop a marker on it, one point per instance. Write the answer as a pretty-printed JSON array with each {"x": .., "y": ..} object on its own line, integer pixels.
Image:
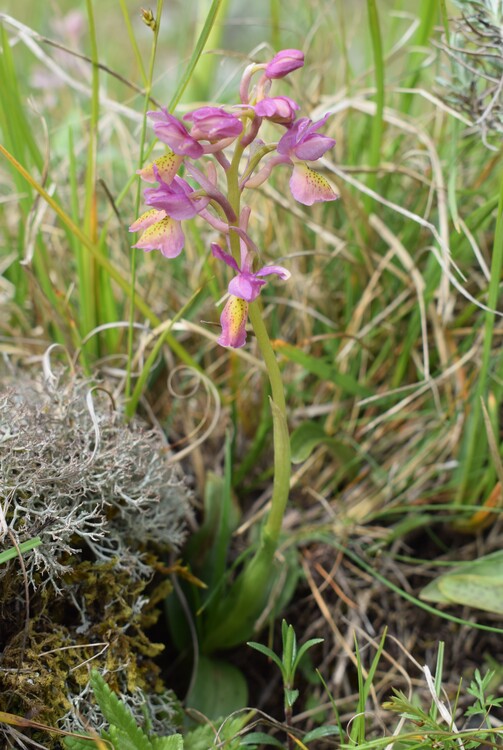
[{"x": 219, "y": 150}]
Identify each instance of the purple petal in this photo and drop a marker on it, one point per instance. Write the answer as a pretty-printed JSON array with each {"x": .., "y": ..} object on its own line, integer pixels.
[
  {"x": 283, "y": 273},
  {"x": 171, "y": 131},
  {"x": 233, "y": 321},
  {"x": 246, "y": 285},
  {"x": 290, "y": 139},
  {"x": 313, "y": 147},
  {"x": 175, "y": 199},
  {"x": 217, "y": 252},
  {"x": 302, "y": 140},
  {"x": 310, "y": 187}
]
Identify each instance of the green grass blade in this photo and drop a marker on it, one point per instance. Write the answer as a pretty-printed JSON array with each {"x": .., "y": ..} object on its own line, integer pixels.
[
  {"x": 213, "y": 12},
  {"x": 474, "y": 450},
  {"x": 141, "y": 156},
  {"x": 377, "y": 120},
  {"x": 9, "y": 554}
]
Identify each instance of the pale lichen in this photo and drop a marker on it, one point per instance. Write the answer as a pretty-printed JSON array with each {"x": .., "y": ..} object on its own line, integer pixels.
[{"x": 109, "y": 509}]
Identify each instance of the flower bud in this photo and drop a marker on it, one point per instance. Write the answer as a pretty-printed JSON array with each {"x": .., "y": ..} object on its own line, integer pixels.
[
  {"x": 284, "y": 62},
  {"x": 280, "y": 109},
  {"x": 213, "y": 124}
]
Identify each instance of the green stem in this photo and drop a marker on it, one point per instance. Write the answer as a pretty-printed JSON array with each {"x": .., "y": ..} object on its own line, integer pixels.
[
  {"x": 282, "y": 462},
  {"x": 148, "y": 90},
  {"x": 231, "y": 621}
]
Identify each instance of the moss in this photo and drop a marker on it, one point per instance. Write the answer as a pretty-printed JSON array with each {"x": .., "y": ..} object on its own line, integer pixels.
[{"x": 47, "y": 662}]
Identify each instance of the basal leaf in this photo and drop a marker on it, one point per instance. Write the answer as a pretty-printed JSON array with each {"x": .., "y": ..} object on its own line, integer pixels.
[
  {"x": 309, "y": 435},
  {"x": 219, "y": 688},
  {"x": 477, "y": 584},
  {"x": 474, "y": 591}
]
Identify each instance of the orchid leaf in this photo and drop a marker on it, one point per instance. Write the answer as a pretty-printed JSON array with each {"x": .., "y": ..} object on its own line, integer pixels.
[
  {"x": 324, "y": 370},
  {"x": 309, "y": 435},
  {"x": 478, "y": 584},
  {"x": 228, "y": 693}
]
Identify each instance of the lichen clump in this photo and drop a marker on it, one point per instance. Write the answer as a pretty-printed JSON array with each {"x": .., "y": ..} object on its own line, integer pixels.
[{"x": 109, "y": 508}]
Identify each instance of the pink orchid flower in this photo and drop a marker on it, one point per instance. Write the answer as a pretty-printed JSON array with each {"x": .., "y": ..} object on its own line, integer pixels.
[
  {"x": 302, "y": 140},
  {"x": 177, "y": 199},
  {"x": 302, "y": 143},
  {"x": 233, "y": 321},
  {"x": 243, "y": 288},
  {"x": 247, "y": 284}
]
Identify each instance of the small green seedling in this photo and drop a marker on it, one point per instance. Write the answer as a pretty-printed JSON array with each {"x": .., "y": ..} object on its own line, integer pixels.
[{"x": 287, "y": 665}]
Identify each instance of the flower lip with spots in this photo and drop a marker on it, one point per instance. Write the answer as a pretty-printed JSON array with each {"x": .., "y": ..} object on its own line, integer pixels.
[
  {"x": 233, "y": 321},
  {"x": 167, "y": 166},
  {"x": 159, "y": 232}
]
